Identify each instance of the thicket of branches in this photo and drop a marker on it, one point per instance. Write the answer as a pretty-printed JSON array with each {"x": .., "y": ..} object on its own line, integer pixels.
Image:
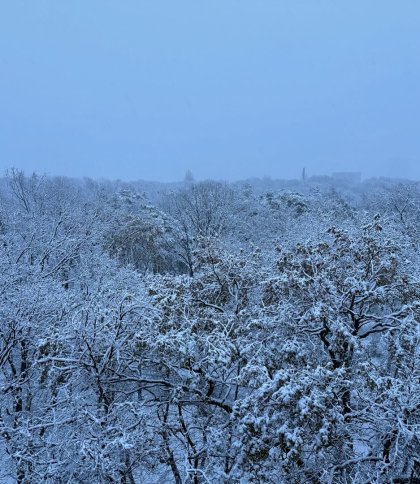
[{"x": 209, "y": 332}]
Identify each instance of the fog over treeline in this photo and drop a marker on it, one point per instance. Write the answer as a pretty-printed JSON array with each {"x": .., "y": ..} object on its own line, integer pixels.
[
  {"x": 258, "y": 331},
  {"x": 229, "y": 89}
]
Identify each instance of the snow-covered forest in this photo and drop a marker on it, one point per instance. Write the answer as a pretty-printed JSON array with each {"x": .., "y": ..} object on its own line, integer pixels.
[{"x": 203, "y": 332}]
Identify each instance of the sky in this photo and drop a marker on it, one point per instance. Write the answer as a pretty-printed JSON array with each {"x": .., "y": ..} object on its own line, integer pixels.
[{"x": 230, "y": 89}]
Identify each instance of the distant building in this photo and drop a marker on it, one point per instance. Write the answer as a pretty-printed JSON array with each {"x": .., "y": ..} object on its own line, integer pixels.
[{"x": 348, "y": 176}]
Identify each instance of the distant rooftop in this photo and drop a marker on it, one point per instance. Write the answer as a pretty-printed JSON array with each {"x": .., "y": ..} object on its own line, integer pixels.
[{"x": 349, "y": 176}]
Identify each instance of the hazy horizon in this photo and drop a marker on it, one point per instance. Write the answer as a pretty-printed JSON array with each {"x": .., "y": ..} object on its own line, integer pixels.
[{"x": 147, "y": 90}]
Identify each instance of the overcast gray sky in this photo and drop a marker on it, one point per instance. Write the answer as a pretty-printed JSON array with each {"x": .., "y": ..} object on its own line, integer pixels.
[{"x": 230, "y": 89}]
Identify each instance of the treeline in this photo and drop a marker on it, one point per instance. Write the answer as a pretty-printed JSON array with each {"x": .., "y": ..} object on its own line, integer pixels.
[{"x": 209, "y": 332}]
